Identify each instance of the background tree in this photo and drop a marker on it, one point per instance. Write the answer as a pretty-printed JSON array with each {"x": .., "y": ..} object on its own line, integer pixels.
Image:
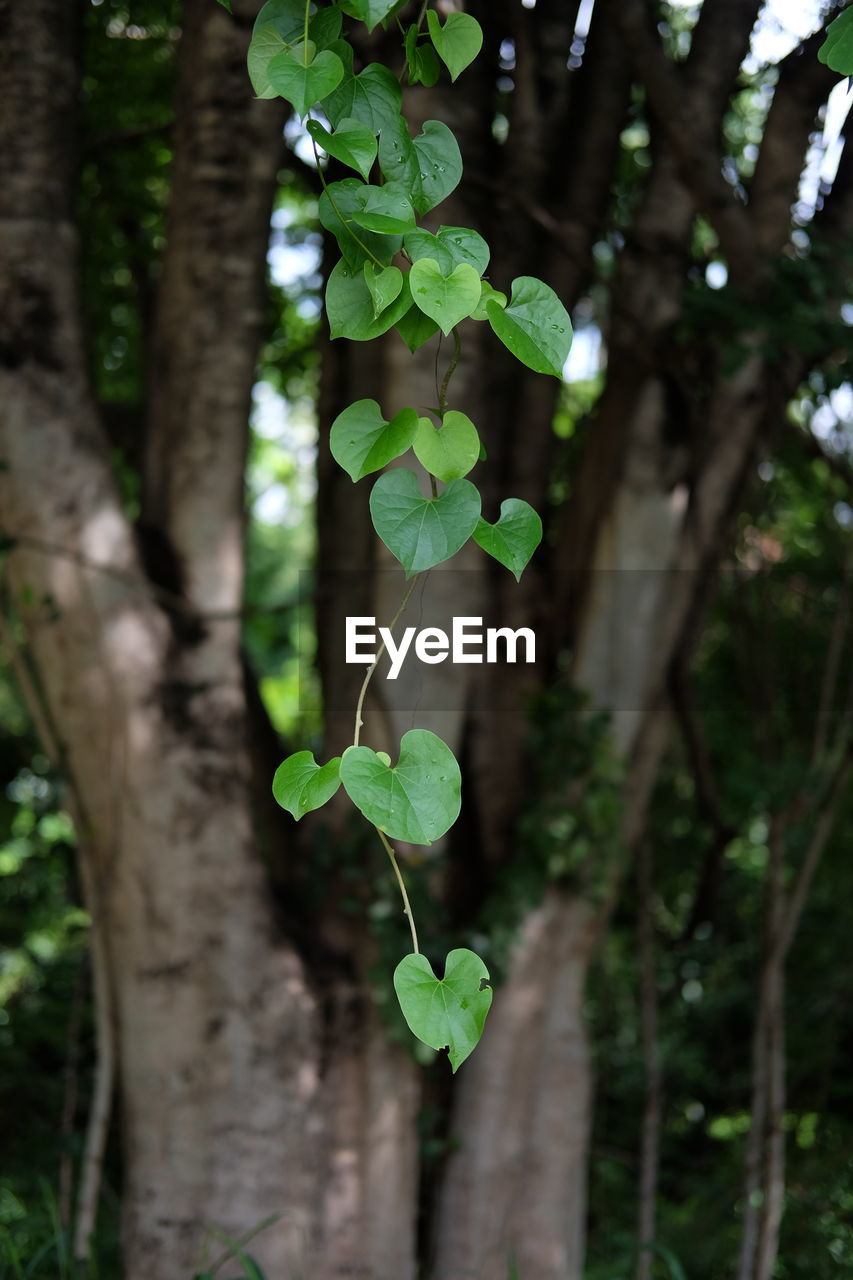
[{"x": 616, "y": 154}]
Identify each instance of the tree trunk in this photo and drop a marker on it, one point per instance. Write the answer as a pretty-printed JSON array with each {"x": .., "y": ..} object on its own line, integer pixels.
[
  {"x": 247, "y": 1089},
  {"x": 216, "y": 1027},
  {"x": 514, "y": 1191}
]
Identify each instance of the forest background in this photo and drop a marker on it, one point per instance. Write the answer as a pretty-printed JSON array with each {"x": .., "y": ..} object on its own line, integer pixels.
[{"x": 197, "y": 1028}]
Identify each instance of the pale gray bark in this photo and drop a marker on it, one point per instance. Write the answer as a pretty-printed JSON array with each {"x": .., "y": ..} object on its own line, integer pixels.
[
  {"x": 216, "y": 1029},
  {"x": 515, "y": 1185}
]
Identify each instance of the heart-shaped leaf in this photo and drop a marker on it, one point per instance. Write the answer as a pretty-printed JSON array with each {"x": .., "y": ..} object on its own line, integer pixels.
[
  {"x": 458, "y": 42},
  {"x": 535, "y": 326},
  {"x": 294, "y": 75},
  {"x": 385, "y": 209},
  {"x": 514, "y": 537},
  {"x": 422, "y": 532},
  {"x": 337, "y": 204},
  {"x": 449, "y": 246},
  {"x": 447, "y": 299},
  {"x": 450, "y": 451},
  {"x": 429, "y": 167},
  {"x": 349, "y": 306},
  {"x": 278, "y": 25},
  {"x": 362, "y": 440},
  {"x": 445, "y": 1012},
  {"x": 837, "y": 49},
  {"x": 352, "y": 143},
  {"x": 415, "y": 328},
  {"x": 374, "y": 97},
  {"x": 370, "y": 12},
  {"x": 300, "y": 784},
  {"x": 418, "y": 800},
  {"x": 384, "y": 284}
]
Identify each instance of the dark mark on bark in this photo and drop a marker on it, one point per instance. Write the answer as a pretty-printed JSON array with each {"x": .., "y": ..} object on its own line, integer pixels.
[{"x": 28, "y": 324}]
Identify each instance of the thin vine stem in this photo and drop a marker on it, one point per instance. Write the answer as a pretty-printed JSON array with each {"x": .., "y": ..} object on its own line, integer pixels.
[
  {"x": 449, "y": 372},
  {"x": 346, "y": 222},
  {"x": 418, "y": 26},
  {"x": 380, "y": 651},
  {"x": 407, "y": 906}
]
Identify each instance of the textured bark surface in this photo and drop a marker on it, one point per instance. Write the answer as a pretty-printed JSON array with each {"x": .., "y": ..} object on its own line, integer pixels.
[
  {"x": 216, "y": 1030},
  {"x": 663, "y": 467},
  {"x": 514, "y": 1190},
  {"x": 245, "y": 1091}
]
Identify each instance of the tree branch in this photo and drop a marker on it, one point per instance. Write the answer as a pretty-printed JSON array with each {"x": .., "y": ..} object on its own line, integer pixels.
[
  {"x": 653, "y": 1110},
  {"x": 707, "y": 795},
  {"x": 673, "y": 102},
  {"x": 820, "y": 836},
  {"x": 210, "y": 307},
  {"x": 804, "y": 85}
]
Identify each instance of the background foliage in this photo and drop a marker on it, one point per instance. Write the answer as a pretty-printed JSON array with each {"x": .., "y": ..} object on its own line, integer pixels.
[{"x": 754, "y": 685}]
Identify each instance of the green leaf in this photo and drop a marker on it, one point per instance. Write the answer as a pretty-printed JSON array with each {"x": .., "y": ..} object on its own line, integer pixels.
[
  {"x": 370, "y": 12},
  {"x": 449, "y": 452},
  {"x": 448, "y": 1012},
  {"x": 446, "y": 298},
  {"x": 535, "y": 326},
  {"x": 287, "y": 16},
  {"x": 325, "y": 27},
  {"x": 349, "y": 306},
  {"x": 300, "y": 784},
  {"x": 362, "y": 440},
  {"x": 305, "y": 83},
  {"x": 514, "y": 537},
  {"x": 415, "y": 328},
  {"x": 458, "y": 42},
  {"x": 387, "y": 210},
  {"x": 837, "y": 49},
  {"x": 676, "y": 1271},
  {"x": 226, "y": 4},
  {"x": 449, "y": 247},
  {"x": 279, "y": 24},
  {"x": 487, "y": 295},
  {"x": 384, "y": 284},
  {"x": 421, "y": 62},
  {"x": 374, "y": 97},
  {"x": 429, "y": 167},
  {"x": 336, "y": 207},
  {"x": 417, "y": 800},
  {"x": 352, "y": 143},
  {"x": 422, "y": 532}
]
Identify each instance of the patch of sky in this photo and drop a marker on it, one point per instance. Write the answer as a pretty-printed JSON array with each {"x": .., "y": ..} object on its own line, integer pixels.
[{"x": 281, "y": 496}]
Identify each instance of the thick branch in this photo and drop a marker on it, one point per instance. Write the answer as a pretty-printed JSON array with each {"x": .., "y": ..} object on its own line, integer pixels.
[
  {"x": 804, "y": 84},
  {"x": 227, "y": 152},
  {"x": 699, "y": 165},
  {"x": 719, "y": 45},
  {"x": 589, "y": 132}
]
